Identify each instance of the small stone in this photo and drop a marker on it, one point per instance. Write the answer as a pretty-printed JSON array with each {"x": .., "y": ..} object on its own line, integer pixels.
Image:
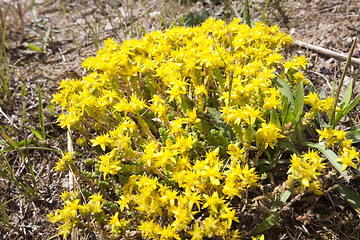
[{"x": 154, "y": 14}]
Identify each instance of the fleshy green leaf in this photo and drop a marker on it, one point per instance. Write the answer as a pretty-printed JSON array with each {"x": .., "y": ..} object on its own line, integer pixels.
[
  {"x": 286, "y": 111},
  {"x": 348, "y": 93},
  {"x": 274, "y": 118},
  {"x": 350, "y": 196},
  {"x": 267, "y": 223},
  {"x": 354, "y": 135},
  {"x": 285, "y": 90},
  {"x": 280, "y": 200},
  {"x": 299, "y": 101},
  {"x": 290, "y": 146}
]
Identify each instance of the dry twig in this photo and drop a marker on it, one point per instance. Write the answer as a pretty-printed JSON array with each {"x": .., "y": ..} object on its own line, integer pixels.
[{"x": 326, "y": 52}]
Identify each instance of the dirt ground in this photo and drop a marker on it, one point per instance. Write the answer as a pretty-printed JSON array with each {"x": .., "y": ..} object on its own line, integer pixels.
[{"x": 329, "y": 24}]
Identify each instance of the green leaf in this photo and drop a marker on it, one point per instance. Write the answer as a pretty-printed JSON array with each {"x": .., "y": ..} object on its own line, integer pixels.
[
  {"x": 323, "y": 124},
  {"x": 33, "y": 12},
  {"x": 20, "y": 144},
  {"x": 9, "y": 140},
  {"x": 33, "y": 47},
  {"x": 38, "y": 134},
  {"x": 346, "y": 110},
  {"x": 214, "y": 112},
  {"x": 267, "y": 223},
  {"x": 286, "y": 111},
  {"x": 290, "y": 146},
  {"x": 215, "y": 115},
  {"x": 350, "y": 196},
  {"x": 274, "y": 118},
  {"x": 51, "y": 108},
  {"x": 285, "y": 90},
  {"x": 333, "y": 111},
  {"x": 280, "y": 200},
  {"x": 354, "y": 135},
  {"x": 310, "y": 86},
  {"x": 46, "y": 38},
  {"x": 331, "y": 156},
  {"x": 299, "y": 101},
  {"x": 299, "y": 133},
  {"x": 321, "y": 93},
  {"x": 348, "y": 93}
]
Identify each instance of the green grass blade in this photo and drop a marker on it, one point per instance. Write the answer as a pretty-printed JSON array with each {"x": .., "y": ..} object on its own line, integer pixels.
[
  {"x": 333, "y": 112},
  {"x": 63, "y": 8},
  {"x": 121, "y": 23},
  {"x": 131, "y": 19},
  {"x": 107, "y": 17},
  {"x": 19, "y": 144},
  {"x": 41, "y": 114},
  {"x": 4, "y": 219},
  {"x": 263, "y": 14},
  {"x": 33, "y": 12},
  {"x": 46, "y": 38},
  {"x": 22, "y": 187},
  {"x": 9, "y": 140},
  {"x": 33, "y": 47},
  {"x": 247, "y": 13}
]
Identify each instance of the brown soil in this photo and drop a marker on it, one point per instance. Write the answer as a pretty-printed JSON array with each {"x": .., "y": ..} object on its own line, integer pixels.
[{"x": 328, "y": 24}]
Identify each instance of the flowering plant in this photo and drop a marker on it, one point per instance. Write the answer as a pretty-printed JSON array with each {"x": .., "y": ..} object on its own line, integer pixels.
[{"x": 178, "y": 122}]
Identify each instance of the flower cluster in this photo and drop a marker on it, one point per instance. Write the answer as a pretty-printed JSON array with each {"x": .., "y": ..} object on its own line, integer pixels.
[
  {"x": 318, "y": 106},
  {"x": 64, "y": 163},
  {"x": 347, "y": 152},
  {"x": 162, "y": 112},
  {"x": 306, "y": 169}
]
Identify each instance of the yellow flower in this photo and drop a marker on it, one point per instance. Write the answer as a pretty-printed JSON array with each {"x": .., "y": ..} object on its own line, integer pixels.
[
  {"x": 213, "y": 202},
  {"x": 258, "y": 238},
  {"x": 201, "y": 90},
  {"x": 268, "y": 134},
  {"x": 197, "y": 232},
  {"x": 347, "y": 157},
  {"x": 236, "y": 153},
  {"x": 136, "y": 104},
  {"x": 176, "y": 126},
  {"x": 272, "y": 99},
  {"x": 64, "y": 162},
  {"x": 192, "y": 116},
  {"x": 102, "y": 140},
  {"x": 332, "y": 136},
  {"x": 117, "y": 225},
  {"x": 109, "y": 163},
  {"x": 229, "y": 215},
  {"x": 306, "y": 169}
]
